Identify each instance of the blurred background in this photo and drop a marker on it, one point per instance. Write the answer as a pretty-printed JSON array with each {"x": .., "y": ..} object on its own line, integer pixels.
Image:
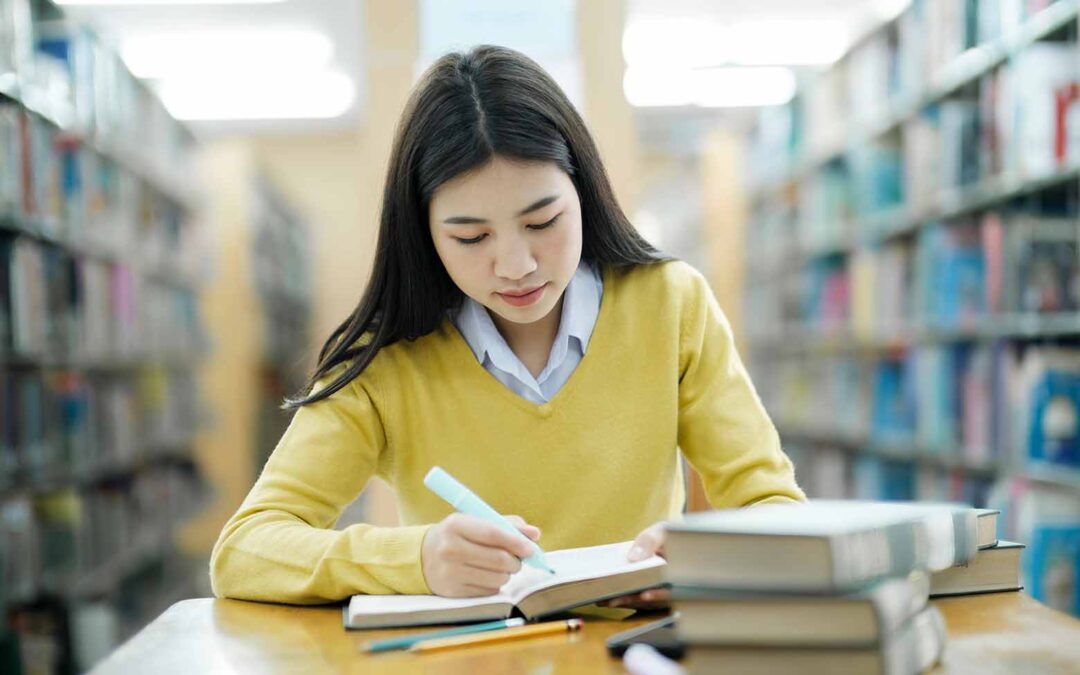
[{"x": 884, "y": 195}]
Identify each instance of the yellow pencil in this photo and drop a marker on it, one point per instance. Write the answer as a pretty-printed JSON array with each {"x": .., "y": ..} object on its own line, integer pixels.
[{"x": 548, "y": 628}]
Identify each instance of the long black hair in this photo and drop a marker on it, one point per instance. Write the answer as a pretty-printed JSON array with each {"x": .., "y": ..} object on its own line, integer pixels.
[{"x": 467, "y": 108}]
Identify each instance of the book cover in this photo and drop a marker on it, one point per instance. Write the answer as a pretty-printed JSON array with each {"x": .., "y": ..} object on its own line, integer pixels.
[
  {"x": 840, "y": 544},
  {"x": 1053, "y": 565},
  {"x": 1054, "y": 430},
  {"x": 995, "y": 569},
  {"x": 862, "y": 618},
  {"x": 914, "y": 648}
]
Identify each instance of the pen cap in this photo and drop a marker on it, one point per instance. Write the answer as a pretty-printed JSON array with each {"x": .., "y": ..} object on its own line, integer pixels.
[
  {"x": 465, "y": 500},
  {"x": 446, "y": 486}
]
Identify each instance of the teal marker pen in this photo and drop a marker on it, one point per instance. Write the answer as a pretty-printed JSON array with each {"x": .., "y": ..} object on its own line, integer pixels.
[
  {"x": 407, "y": 641},
  {"x": 464, "y": 500}
]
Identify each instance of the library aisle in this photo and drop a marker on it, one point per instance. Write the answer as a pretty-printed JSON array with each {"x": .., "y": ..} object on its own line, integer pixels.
[{"x": 884, "y": 196}]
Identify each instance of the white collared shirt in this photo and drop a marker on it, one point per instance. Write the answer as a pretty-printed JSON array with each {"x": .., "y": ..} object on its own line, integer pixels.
[{"x": 581, "y": 306}]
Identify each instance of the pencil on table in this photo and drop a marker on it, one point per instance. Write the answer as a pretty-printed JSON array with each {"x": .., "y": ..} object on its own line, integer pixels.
[{"x": 549, "y": 628}]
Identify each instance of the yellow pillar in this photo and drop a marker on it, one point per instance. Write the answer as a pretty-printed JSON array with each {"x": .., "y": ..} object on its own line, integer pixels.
[
  {"x": 228, "y": 379},
  {"x": 608, "y": 114},
  {"x": 725, "y": 211},
  {"x": 392, "y": 40}
]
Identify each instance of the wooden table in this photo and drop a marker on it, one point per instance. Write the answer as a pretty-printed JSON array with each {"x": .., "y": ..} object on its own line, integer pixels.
[{"x": 998, "y": 633}]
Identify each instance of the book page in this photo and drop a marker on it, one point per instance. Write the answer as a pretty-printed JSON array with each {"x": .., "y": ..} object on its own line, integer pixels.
[
  {"x": 363, "y": 605},
  {"x": 572, "y": 564},
  {"x": 575, "y": 564}
]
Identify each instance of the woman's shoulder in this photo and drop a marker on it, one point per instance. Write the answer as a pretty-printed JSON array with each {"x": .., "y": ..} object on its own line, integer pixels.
[
  {"x": 391, "y": 358},
  {"x": 667, "y": 280},
  {"x": 414, "y": 354}
]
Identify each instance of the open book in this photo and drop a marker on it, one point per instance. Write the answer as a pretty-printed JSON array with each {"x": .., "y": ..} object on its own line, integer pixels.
[{"x": 582, "y": 576}]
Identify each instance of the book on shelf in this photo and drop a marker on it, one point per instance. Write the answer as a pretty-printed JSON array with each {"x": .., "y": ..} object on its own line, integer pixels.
[
  {"x": 951, "y": 274},
  {"x": 842, "y": 544},
  {"x": 11, "y": 177},
  {"x": 1040, "y": 129},
  {"x": 913, "y": 648},
  {"x": 976, "y": 404},
  {"x": 877, "y": 172},
  {"x": 582, "y": 576},
  {"x": 829, "y": 473},
  {"x": 1044, "y": 264},
  {"x": 958, "y": 143},
  {"x": 937, "y": 369},
  {"x": 921, "y": 147},
  {"x": 72, "y": 46},
  {"x": 893, "y": 399},
  {"x": 19, "y": 563},
  {"x": 1050, "y": 396},
  {"x": 887, "y": 479},
  {"x": 1053, "y": 564},
  {"x": 16, "y": 27},
  {"x": 28, "y": 317},
  {"x": 861, "y": 618}
]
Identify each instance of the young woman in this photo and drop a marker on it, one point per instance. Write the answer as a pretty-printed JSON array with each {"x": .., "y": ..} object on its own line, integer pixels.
[{"x": 518, "y": 332}]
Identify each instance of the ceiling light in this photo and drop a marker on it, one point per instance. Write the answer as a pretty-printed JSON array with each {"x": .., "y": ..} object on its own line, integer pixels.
[
  {"x": 795, "y": 42},
  {"x": 181, "y": 54},
  {"x": 705, "y": 42},
  {"x": 735, "y": 87},
  {"x": 159, "y": 3},
  {"x": 658, "y": 87},
  {"x": 724, "y": 87},
  {"x": 323, "y": 95}
]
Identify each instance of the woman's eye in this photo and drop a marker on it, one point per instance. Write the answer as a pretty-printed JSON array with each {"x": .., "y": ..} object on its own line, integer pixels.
[
  {"x": 544, "y": 226},
  {"x": 472, "y": 240}
]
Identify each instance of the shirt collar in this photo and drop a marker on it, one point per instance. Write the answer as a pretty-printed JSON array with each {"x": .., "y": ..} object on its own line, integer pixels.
[{"x": 580, "y": 307}]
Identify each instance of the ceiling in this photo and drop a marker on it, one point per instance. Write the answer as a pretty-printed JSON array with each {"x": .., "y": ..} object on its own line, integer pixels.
[{"x": 341, "y": 21}]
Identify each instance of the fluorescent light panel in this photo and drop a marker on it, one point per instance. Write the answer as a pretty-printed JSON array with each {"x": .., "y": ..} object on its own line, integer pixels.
[
  {"x": 323, "y": 95},
  {"x": 186, "y": 54},
  {"x": 724, "y": 87},
  {"x": 160, "y": 3},
  {"x": 702, "y": 42}
]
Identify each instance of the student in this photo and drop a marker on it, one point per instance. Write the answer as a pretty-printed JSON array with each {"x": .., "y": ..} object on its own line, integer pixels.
[{"x": 518, "y": 332}]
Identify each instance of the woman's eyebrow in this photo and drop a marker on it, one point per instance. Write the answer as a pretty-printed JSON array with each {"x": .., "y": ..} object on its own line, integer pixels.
[{"x": 471, "y": 220}]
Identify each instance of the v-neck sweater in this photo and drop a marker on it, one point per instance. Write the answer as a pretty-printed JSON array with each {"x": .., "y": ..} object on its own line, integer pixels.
[{"x": 596, "y": 464}]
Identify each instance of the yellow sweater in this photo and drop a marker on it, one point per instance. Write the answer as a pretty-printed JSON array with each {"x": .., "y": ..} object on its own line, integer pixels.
[{"x": 596, "y": 464}]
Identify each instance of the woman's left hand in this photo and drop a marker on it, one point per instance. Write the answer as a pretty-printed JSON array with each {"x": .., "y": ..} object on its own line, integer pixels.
[{"x": 649, "y": 542}]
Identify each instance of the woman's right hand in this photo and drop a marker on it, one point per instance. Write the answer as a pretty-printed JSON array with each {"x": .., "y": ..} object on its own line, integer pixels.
[{"x": 463, "y": 556}]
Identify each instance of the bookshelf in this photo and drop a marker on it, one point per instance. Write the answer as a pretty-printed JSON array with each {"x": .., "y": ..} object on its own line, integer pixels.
[
  {"x": 284, "y": 283},
  {"x": 913, "y": 258},
  {"x": 258, "y": 310},
  {"x": 100, "y": 339}
]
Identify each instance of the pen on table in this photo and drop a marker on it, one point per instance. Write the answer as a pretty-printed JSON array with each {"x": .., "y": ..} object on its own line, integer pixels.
[
  {"x": 406, "y": 641},
  {"x": 465, "y": 500},
  {"x": 549, "y": 628}
]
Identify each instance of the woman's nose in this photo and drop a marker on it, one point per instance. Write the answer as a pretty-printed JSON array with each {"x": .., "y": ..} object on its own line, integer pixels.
[{"x": 514, "y": 260}]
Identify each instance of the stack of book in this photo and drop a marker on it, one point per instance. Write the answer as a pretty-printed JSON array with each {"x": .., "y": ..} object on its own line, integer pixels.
[
  {"x": 829, "y": 586},
  {"x": 996, "y": 567}
]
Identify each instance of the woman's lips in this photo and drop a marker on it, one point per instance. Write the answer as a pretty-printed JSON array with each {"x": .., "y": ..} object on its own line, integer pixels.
[{"x": 523, "y": 300}]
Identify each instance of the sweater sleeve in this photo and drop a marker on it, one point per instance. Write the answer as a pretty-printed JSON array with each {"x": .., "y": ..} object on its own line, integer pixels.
[
  {"x": 724, "y": 431},
  {"x": 279, "y": 547}
]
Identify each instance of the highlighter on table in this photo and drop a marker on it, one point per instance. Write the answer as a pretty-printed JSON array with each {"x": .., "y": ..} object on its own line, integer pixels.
[
  {"x": 549, "y": 628},
  {"x": 464, "y": 500},
  {"x": 407, "y": 641}
]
